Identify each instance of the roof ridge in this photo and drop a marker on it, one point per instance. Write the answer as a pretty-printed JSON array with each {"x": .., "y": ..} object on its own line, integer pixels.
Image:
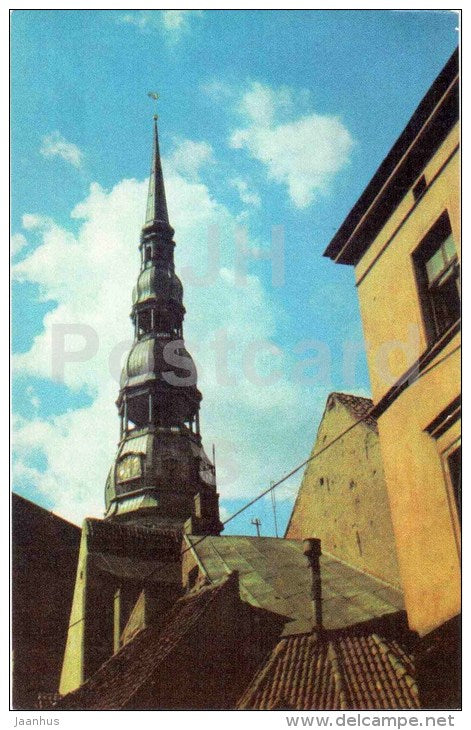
[
  {"x": 339, "y": 679},
  {"x": 398, "y": 667},
  {"x": 149, "y": 631},
  {"x": 351, "y": 395},
  {"x": 260, "y": 676},
  {"x": 365, "y": 406},
  {"x": 105, "y": 536},
  {"x": 215, "y": 590},
  {"x": 131, "y": 527},
  {"x": 45, "y": 512}
]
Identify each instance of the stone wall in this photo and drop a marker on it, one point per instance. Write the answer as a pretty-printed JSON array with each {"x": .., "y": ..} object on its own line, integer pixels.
[{"x": 343, "y": 499}]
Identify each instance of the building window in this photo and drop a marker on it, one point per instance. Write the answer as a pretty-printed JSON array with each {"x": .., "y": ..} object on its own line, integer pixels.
[
  {"x": 446, "y": 431},
  {"x": 454, "y": 469},
  {"x": 438, "y": 277},
  {"x": 419, "y": 188}
]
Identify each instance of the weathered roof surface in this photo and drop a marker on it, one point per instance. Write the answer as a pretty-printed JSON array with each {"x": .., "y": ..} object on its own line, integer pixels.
[
  {"x": 359, "y": 407},
  {"x": 137, "y": 664},
  {"x": 274, "y": 575},
  {"x": 132, "y": 568},
  {"x": 346, "y": 672},
  {"x": 133, "y": 551},
  {"x": 123, "y": 537}
]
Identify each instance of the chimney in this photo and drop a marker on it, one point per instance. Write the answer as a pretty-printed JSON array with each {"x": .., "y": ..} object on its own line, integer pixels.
[{"x": 312, "y": 550}]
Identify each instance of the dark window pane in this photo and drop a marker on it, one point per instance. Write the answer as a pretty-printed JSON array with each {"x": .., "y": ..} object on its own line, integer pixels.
[
  {"x": 449, "y": 248},
  {"x": 454, "y": 466},
  {"x": 437, "y": 271},
  {"x": 446, "y": 303},
  {"x": 435, "y": 265}
]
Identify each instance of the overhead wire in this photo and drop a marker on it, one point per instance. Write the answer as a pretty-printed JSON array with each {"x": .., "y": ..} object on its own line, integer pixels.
[
  {"x": 273, "y": 485},
  {"x": 291, "y": 473}
]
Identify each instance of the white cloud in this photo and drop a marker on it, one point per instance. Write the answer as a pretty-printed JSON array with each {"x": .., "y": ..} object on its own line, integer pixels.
[
  {"x": 216, "y": 89},
  {"x": 304, "y": 153},
  {"x": 262, "y": 103},
  {"x": 246, "y": 194},
  {"x": 55, "y": 145},
  {"x": 260, "y": 431},
  {"x": 31, "y": 222},
  {"x": 173, "y": 23},
  {"x": 34, "y": 399},
  {"x": 76, "y": 461},
  {"x": 141, "y": 19},
  {"x": 17, "y": 243},
  {"x": 190, "y": 157},
  {"x": 176, "y": 20}
]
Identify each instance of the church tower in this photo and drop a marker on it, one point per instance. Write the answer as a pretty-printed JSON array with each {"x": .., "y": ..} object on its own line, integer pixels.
[
  {"x": 161, "y": 483},
  {"x": 161, "y": 475}
]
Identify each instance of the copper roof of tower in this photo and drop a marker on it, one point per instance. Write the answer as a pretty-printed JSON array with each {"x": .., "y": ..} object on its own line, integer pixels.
[{"x": 158, "y": 400}]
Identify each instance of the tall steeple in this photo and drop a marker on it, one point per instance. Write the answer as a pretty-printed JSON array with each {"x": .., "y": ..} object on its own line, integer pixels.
[
  {"x": 161, "y": 474},
  {"x": 156, "y": 200}
]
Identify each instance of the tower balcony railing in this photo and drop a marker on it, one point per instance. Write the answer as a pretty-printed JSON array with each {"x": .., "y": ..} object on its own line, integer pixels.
[{"x": 181, "y": 429}]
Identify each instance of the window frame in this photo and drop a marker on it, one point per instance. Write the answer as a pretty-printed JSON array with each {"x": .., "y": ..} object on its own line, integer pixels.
[
  {"x": 455, "y": 508},
  {"x": 430, "y": 291},
  {"x": 456, "y": 488},
  {"x": 445, "y": 430}
]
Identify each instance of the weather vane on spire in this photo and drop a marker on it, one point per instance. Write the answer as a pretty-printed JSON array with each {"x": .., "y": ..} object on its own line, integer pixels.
[{"x": 154, "y": 95}]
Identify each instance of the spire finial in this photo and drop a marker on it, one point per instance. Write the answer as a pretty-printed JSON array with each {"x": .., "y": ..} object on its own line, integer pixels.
[
  {"x": 156, "y": 203},
  {"x": 154, "y": 95}
]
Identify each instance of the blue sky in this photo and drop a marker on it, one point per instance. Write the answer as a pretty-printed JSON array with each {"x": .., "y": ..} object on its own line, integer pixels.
[{"x": 267, "y": 119}]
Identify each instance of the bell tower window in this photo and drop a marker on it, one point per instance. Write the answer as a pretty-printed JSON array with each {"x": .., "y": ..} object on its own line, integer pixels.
[{"x": 144, "y": 322}]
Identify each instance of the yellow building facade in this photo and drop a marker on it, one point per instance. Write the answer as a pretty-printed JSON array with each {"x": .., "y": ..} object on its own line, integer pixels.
[
  {"x": 403, "y": 237},
  {"x": 342, "y": 499}
]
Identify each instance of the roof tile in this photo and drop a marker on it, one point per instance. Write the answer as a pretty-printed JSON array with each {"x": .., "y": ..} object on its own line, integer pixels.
[
  {"x": 358, "y": 406},
  {"x": 345, "y": 670}
]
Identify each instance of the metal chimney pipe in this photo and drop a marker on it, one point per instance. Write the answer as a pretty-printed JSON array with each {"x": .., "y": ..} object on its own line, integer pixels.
[{"x": 312, "y": 550}]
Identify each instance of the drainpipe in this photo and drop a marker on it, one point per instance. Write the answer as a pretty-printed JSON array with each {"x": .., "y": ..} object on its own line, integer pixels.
[{"x": 312, "y": 550}]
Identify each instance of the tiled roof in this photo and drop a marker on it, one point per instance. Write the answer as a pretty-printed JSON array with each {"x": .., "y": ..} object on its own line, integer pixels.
[
  {"x": 347, "y": 671},
  {"x": 357, "y": 405},
  {"x": 274, "y": 575},
  {"x": 136, "y": 665}
]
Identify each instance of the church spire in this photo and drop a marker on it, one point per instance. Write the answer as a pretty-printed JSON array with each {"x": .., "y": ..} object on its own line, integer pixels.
[
  {"x": 156, "y": 200},
  {"x": 161, "y": 474}
]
